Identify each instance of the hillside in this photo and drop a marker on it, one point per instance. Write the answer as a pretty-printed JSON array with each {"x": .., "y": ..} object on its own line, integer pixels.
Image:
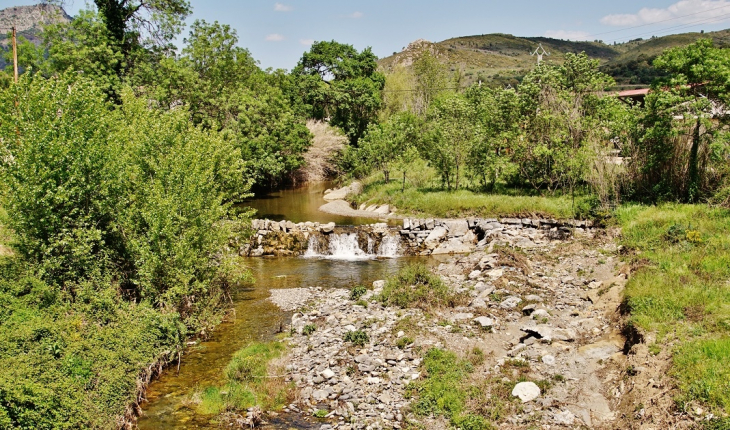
[
  {"x": 29, "y": 21},
  {"x": 501, "y": 59}
]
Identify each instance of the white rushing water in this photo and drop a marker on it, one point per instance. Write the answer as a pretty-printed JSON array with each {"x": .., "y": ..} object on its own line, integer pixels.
[{"x": 345, "y": 246}]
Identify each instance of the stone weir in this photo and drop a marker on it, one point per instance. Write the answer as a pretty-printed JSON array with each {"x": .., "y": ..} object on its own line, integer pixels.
[{"x": 417, "y": 237}]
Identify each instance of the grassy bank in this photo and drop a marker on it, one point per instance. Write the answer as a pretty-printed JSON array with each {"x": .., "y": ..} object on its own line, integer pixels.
[
  {"x": 250, "y": 380},
  {"x": 681, "y": 293},
  {"x": 425, "y": 201}
]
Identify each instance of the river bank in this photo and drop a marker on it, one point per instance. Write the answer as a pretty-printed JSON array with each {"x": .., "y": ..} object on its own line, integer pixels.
[{"x": 545, "y": 315}]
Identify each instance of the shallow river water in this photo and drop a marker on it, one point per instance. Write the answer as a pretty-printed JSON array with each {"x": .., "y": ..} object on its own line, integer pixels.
[{"x": 255, "y": 317}]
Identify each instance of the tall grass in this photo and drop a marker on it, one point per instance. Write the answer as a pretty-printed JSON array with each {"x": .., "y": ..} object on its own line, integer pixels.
[{"x": 681, "y": 291}]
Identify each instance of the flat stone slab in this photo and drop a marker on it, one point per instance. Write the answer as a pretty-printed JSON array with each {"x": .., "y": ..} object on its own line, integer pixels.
[{"x": 341, "y": 207}]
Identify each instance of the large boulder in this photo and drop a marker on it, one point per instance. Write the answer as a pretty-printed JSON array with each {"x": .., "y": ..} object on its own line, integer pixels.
[
  {"x": 457, "y": 228},
  {"x": 453, "y": 246},
  {"x": 526, "y": 391},
  {"x": 435, "y": 237}
]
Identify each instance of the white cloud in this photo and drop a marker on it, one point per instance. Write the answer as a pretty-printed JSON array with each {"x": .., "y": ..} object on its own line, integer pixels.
[
  {"x": 274, "y": 37},
  {"x": 306, "y": 42},
  {"x": 356, "y": 15},
  {"x": 280, "y": 7},
  {"x": 568, "y": 34},
  {"x": 684, "y": 11}
]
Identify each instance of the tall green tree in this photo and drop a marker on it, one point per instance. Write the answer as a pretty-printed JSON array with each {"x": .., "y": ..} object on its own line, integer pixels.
[
  {"x": 453, "y": 133},
  {"x": 697, "y": 90},
  {"x": 337, "y": 82},
  {"x": 391, "y": 144},
  {"x": 430, "y": 78}
]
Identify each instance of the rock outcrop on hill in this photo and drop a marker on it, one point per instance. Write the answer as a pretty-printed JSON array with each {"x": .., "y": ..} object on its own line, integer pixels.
[
  {"x": 28, "y": 22},
  {"x": 26, "y": 18}
]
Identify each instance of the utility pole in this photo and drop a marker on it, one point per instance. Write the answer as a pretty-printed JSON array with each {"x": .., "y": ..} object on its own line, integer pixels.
[
  {"x": 540, "y": 51},
  {"x": 15, "y": 55}
]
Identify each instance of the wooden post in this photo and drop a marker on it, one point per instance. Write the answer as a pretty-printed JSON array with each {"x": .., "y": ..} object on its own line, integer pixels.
[{"x": 15, "y": 56}]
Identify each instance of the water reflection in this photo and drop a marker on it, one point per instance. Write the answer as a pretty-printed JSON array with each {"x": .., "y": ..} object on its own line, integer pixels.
[{"x": 254, "y": 318}]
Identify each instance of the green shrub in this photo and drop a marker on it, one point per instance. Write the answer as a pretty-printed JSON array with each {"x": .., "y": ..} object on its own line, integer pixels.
[
  {"x": 309, "y": 329},
  {"x": 416, "y": 286},
  {"x": 357, "y": 292},
  {"x": 403, "y": 342},
  {"x": 357, "y": 337}
]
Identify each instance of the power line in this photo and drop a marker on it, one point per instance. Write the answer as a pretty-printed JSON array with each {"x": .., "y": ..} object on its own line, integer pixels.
[
  {"x": 659, "y": 22},
  {"x": 677, "y": 27}
]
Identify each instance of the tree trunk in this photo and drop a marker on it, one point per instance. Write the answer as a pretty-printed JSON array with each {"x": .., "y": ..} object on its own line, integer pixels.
[
  {"x": 694, "y": 172},
  {"x": 386, "y": 174},
  {"x": 403, "y": 187}
]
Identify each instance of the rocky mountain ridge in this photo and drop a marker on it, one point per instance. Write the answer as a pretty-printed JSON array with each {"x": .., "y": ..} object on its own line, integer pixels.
[
  {"x": 26, "y": 18},
  {"x": 500, "y": 59}
]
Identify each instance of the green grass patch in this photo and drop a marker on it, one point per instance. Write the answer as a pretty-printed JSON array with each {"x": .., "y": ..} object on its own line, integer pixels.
[
  {"x": 681, "y": 291},
  {"x": 357, "y": 337},
  {"x": 449, "y": 204},
  {"x": 416, "y": 286},
  {"x": 248, "y": 382},
  {"x": 442, "y": 391}
]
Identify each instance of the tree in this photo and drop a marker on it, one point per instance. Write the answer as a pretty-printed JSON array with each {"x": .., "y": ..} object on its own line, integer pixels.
[
  {"x": 454, "y": 131},
  {"x": 341, "y": 84},
  {"x": 560, "y": 108},
  {"x": 128, "y": 21},
  {"x": 430, "y": 80},
  {"x": 391, "y": 144},
  {"x": 498, "y": 111},
  {"x": 85, "y": 47},
  {"x": 698, "y": 90}
]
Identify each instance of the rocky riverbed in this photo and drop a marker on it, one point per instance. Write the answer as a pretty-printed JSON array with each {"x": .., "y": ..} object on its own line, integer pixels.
[{"x": 544, "y": 318}]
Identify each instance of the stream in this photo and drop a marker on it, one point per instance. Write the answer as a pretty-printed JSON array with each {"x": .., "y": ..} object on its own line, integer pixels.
[{"x": 255, "y": 317}]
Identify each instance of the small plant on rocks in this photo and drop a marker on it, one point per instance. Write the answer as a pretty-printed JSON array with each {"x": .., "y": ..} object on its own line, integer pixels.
[
  {"x": 357, "y": 292},
  {"x": 309, "y": 329},
  {"x": 403, "y": 342},
  {"x": 357, "y": 337}
]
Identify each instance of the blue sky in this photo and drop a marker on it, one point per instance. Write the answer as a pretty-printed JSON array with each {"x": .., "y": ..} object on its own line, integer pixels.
[{"x": 278, "y": 32}]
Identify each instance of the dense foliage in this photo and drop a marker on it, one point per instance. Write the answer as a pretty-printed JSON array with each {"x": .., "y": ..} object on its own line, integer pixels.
[
  {"x": 335, "y": 81},
  {"x": 122, "y": 159},
  {"x": 560, "y": 132}
]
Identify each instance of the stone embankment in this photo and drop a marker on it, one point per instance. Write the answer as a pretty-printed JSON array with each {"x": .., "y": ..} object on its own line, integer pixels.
[
  {"x": 285, "y": 238},
  {"x": 462, "y": 236},
  {"x": 417, "y": 236},
  {"x": 543, "y": 317}
]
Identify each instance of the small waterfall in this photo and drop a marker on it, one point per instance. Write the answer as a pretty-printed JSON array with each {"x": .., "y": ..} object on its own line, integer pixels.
[
  {"x": 390, "y": 246},
  {"x": 349, "y": 246}
]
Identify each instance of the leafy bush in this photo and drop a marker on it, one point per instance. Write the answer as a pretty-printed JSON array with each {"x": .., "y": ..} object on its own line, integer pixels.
[
  {"x": 309, "y": 329},
  {"x": 119, "y": 218},
  {"x": 357, "y": 292},
  {"x": 357, "y": 337}
]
